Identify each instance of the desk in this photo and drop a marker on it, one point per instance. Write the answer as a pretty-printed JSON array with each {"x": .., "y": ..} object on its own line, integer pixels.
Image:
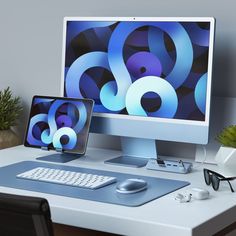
[{"x": 163, "y": 216}]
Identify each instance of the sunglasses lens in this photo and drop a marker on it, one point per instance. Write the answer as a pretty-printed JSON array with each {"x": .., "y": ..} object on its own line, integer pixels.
[
  {"x": 207, "y": 177},
  {"x": 215, "y": 182}
]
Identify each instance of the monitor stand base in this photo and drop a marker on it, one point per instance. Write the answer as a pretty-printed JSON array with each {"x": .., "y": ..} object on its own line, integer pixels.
[
  {"x": 129, "y": 161},
  {"x": 137, "y": 152}
]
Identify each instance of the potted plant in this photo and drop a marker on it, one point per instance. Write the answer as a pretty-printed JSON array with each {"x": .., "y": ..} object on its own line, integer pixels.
[
  {"x": 226, "y": 156},
  {"x": 10, "y": 109}
]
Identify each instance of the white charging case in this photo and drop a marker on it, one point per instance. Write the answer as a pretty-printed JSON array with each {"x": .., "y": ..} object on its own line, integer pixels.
[{"x": 199, "y": 193}]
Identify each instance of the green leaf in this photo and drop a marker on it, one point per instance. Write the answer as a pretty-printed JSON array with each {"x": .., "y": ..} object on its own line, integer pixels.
[
  {"x": 228, "y": 136},
  {"x": 10, "y": 109}
]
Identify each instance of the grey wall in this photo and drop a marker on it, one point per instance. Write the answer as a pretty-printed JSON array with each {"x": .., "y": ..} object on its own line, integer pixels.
[{"x": 31, "y": 40}]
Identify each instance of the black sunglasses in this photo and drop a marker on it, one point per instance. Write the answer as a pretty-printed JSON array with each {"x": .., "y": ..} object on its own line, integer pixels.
[{"x": 214, "y": 178}]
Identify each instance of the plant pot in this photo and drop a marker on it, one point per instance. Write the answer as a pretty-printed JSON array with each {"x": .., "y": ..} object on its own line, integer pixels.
[
  {"x": 8, "y": 138},
  {"x": 226, "y": 159}
]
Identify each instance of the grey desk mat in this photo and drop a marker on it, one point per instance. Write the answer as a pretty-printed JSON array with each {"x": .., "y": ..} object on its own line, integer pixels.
[{"x": 157, "y": 187}]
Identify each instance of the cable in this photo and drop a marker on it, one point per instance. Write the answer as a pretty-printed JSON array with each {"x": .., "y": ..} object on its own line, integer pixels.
[{"x": 204, "y": 156}]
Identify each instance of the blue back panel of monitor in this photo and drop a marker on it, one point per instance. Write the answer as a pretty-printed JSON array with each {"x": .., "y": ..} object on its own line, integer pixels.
[{"x": 157, "y": 187}]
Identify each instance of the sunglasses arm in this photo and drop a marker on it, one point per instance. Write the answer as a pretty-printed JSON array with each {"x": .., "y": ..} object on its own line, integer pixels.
[
  {"x": 227, "y": 179},
  {"x": 232, "y": 190}
]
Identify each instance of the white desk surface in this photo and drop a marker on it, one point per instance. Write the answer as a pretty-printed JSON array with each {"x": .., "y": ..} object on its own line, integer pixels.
[{"x": 163, "y": 216}]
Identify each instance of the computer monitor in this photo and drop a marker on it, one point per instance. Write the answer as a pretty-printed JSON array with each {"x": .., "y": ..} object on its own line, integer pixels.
[{"x": 150, "y": 78}]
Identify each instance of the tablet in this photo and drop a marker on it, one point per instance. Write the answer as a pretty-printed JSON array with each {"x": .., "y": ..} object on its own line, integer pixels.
[{"x": 57, "y": 123}]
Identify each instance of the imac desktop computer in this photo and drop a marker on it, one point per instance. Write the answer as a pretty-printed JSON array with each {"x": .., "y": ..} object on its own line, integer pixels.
[{"x": 150, "y": 78}]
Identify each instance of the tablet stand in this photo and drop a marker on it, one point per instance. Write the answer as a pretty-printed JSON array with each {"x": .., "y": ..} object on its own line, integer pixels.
[{"x": 60, "y": 157}]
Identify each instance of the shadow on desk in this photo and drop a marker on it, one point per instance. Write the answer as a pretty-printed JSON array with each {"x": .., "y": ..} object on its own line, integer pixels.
[{"x": 65, "y": 230}]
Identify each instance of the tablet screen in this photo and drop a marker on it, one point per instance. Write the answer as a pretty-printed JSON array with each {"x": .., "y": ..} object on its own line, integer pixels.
[{"x": 59, "y": 123}]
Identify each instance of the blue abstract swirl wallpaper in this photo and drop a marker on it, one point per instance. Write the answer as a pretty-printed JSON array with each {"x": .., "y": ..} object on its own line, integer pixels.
[
  {"x": 59, "y": 123},
  {"x": 150, "y": 69}
]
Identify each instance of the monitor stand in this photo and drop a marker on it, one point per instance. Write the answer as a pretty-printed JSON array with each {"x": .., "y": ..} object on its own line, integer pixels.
[{"x": 136, "y": 152}]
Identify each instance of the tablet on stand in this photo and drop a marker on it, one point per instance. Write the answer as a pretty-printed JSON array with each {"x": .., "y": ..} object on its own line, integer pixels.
[{"x": 59, "y": 124}]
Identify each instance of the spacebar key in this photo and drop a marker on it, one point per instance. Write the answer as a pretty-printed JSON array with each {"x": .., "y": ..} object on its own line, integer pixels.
[{"x": 53, "y": 181}]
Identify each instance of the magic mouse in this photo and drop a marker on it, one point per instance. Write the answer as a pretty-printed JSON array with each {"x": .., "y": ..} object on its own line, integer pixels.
[{"x": 131, "y": 186}]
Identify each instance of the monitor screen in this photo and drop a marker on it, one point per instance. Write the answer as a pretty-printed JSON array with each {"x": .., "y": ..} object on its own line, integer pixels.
[
  {"x": 59, "y": 123},
  {"x": 151, "y": 71}
]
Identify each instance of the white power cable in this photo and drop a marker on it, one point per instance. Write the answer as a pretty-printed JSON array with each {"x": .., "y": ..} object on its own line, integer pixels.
[{"x": 204, "y": 156}]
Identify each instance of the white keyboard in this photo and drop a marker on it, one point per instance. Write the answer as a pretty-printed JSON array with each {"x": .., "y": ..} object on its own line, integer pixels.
[{"x": 58, "y": 176}]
